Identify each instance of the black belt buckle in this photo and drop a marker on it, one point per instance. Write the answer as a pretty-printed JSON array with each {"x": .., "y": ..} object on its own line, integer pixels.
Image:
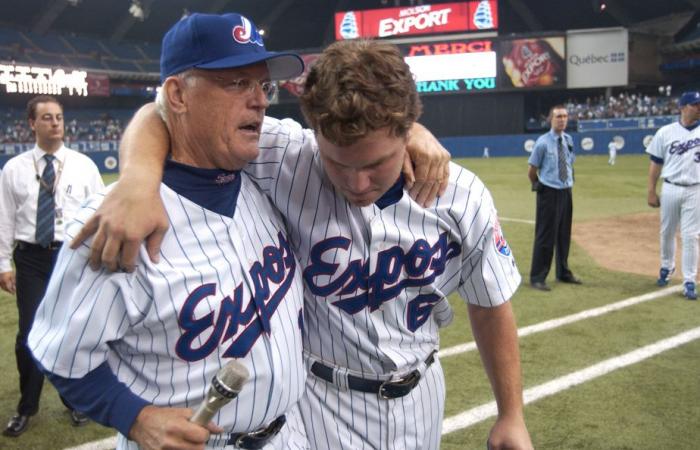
[
  {"x": 259, "y": 438},
  {"x": 400, "y": 387}
]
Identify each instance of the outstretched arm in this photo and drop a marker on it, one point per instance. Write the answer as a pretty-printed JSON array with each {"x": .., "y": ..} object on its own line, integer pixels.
[
  {"x": 654, "y": 173},
  {"x": 142, "y": 152},
  {"x": 426, "y": 167},
  {"x": 496, "y": 336}
]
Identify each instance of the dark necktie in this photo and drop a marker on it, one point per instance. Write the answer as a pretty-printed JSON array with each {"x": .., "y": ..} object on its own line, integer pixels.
[
  {"x": 46, "y": 208},
  {"x": 563, "y": 172}
]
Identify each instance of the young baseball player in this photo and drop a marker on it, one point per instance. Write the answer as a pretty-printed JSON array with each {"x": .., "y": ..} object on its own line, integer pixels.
[
  {"x": 377, "y": 265},
  {"x": 136, "y": 350},
  {"x": 675, "y": 156}
]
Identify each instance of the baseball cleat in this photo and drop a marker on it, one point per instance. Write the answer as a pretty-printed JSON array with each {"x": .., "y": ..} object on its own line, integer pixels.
[
  {"x": 664, "y": 275},
  {"x": 689, "y": 291}
]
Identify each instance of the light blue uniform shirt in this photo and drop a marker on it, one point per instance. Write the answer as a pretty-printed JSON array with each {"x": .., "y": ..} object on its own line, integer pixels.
[{"x": 545, "y": 156}]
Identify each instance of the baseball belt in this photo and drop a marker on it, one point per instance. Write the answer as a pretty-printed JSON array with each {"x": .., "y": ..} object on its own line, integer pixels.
[
  {"x": 680, "y": 184},
  {"x": 386, "y": 389},
  {"x": 259, "y": 438}
]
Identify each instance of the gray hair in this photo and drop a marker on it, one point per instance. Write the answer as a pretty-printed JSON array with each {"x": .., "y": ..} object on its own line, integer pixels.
[{"x": 161, "y": 104}]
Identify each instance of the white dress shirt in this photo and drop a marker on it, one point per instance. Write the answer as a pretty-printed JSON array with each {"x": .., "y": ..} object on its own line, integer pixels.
[{"x": 77, "y": 177}]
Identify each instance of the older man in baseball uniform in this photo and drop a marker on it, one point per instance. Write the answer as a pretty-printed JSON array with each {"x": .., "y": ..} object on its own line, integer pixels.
[
  {"x": 136, "y": 350},
  {"x": 377, "y": 265},
  {"x": 675, "y": 156}
]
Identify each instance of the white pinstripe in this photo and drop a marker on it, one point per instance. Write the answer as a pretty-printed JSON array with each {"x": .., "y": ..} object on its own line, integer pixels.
[
  {"x": 374, "y": 340},
  {"x": 679, "y": 148},
  {"x": 143, "y": 316}
]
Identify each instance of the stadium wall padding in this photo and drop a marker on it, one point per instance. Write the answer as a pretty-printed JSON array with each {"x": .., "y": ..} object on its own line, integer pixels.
[
  {"x": 107, "y": 161},
  {"x": 591, "y": 142}
]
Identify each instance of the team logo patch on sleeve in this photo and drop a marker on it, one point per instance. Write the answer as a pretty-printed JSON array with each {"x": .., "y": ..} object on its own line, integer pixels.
[{"x": 499, "y": 240}]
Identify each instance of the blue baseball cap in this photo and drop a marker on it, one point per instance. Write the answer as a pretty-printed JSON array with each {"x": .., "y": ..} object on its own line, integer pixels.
[
  {"x": 689, "y": 98},
  {"x": 226, "y": 41}
]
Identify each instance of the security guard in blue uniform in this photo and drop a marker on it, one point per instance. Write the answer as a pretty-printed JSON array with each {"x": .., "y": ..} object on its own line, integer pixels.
[{"x": 551, "y": 173}]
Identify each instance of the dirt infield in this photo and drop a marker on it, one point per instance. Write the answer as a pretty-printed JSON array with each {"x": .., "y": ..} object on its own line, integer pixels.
[{"x": 627, "y": 244}]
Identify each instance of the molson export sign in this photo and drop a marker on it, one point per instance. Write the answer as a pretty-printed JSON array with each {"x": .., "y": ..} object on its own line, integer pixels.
[{"x": 423, "y": 19}]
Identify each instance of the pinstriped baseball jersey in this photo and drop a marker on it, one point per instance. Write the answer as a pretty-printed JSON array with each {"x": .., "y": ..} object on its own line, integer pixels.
[
  {"x": 679, "y": 147},
  {"x": 372, "y": 275},
  {"x": 224, "y": 288}
]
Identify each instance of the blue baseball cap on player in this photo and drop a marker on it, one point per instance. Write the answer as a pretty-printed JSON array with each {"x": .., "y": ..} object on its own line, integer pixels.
[
  {"x": 689, "y": 98},
  {"x": 226, "y": 41}
]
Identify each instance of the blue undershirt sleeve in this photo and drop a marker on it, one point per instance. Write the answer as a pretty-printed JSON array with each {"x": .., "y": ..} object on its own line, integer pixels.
[
  {"x": 657, "y": 160},
  {"x": 102, "y": 397}
]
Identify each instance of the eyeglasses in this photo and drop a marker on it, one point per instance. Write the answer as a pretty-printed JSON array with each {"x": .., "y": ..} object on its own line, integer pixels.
[{"x": 248, "y": 85}]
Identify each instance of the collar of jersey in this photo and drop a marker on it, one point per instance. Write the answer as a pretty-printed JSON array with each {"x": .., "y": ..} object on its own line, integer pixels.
[
  {"x": 691, "y": 127},
  {"x": 213, "y": 189},
  {"x": 393, "y": 195}
]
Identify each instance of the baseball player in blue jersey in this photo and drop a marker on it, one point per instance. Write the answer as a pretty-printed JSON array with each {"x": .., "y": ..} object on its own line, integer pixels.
[
  {"x": 136, "y": 350},
  {"x": 675, "y": 156},
  {"x": 378, "y": 266}
]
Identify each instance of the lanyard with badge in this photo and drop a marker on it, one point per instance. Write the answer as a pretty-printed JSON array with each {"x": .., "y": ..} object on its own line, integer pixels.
[{"x": 51, "y": 189}]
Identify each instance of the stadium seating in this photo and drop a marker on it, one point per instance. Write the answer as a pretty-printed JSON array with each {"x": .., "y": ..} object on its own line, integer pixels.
[
  {"x": 72, "y": 51},
  {"x": 92, "y": 125}
]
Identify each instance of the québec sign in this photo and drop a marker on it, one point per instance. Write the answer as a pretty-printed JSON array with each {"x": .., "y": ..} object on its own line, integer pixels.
[{"x": 472, "y": 15}]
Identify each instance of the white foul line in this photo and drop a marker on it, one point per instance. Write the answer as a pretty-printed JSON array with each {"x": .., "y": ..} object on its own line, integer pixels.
[
  {"x": 555, "y": 323},
  {"x": 483, "y": 412},
  {"x": 105, "y": 444},
  {"x": 509, "y": 219}
]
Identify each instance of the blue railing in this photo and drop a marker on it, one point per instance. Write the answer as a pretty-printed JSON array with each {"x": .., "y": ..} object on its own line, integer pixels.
[{"x": 628, "y": 123}]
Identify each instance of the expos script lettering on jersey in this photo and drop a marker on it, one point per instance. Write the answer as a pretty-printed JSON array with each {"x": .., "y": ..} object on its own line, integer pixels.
[
  {"x": 421, "y": 264},
  {"x": 678, "y": 148},
  {"x": 277, "y": 268}
]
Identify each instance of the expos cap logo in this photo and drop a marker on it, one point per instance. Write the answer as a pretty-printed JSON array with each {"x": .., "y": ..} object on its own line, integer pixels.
[{"x": 246, "y": 33}]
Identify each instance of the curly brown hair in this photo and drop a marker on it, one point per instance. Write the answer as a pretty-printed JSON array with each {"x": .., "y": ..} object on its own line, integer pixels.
[{"x": 359, "y": 86}]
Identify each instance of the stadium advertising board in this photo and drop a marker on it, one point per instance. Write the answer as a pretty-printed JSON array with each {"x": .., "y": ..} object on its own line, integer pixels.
[
  {"x": 598, "y": 57},
  {"x": 19, "y": 79},
  {"x": 532, "y": 63},
  {"x": 452, "y": 66},
  {"x": 422, "y": 19},
  {"x": 98, "y": 85}
]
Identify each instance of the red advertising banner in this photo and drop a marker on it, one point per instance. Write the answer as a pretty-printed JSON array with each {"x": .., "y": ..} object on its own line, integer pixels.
[
  {"x": 473, "y": 15},
  {"x": 97, "y": 85},
  {"x": 532, "y": 63}
]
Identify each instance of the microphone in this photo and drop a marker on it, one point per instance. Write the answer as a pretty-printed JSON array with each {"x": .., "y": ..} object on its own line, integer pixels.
[{"x": 225, "y": 386}]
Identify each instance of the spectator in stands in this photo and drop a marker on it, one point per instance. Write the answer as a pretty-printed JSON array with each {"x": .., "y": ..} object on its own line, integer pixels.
[
  {"x": 104, "y": 129},
  {"x": 40, "y": 190},
  {"x": 551, "y": 174},
  {"x": 620, "y": 106}
]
